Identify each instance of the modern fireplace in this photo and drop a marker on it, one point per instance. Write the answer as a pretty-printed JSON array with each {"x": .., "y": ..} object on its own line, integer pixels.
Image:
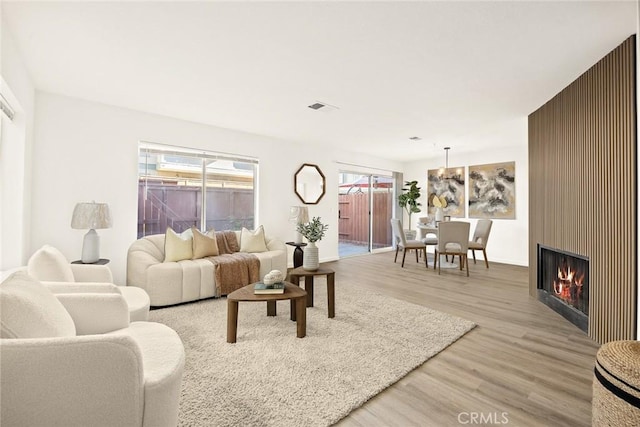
[{"x": 563, "y": 284}]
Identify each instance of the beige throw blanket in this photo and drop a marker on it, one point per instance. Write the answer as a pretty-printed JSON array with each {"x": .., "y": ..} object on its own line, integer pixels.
[
  {"x": 233, "y": 269},
  {"x": 227, "y": 242}
]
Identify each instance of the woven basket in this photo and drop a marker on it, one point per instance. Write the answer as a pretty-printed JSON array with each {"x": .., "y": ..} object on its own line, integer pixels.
[{"x": 616, "y": 385}]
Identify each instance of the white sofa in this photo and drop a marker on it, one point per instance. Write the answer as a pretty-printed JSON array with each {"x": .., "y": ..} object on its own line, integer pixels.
[
  {"x": 76, "y": 360},
  {"x": 169, "y": 283}
]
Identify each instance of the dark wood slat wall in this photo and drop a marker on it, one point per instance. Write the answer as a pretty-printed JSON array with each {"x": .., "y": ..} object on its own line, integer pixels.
[{"x": 582, "y": 186}]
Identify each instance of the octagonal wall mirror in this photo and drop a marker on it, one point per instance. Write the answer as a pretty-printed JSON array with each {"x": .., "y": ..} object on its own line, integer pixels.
[{"x": 309, "y": 184}]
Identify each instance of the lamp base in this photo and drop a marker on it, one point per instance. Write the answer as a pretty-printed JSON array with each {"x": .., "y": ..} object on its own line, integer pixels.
[{"x": 90, "y": 247}]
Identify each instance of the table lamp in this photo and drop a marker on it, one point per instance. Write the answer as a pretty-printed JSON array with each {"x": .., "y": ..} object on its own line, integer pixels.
[
  {"x": 298, "y": 215},
  {"x": 91, "y": 216}
]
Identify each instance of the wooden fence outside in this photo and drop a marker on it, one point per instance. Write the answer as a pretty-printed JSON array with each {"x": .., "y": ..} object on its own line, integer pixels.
[
  {"x": 178, "y": 207},
  {"x": 353, "y": 226}
]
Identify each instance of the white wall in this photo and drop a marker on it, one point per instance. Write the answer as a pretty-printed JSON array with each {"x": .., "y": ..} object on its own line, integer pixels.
[
  {"x": 508, "y": 242},
  {"x": 87, "y": 151},
  {"x": 15, "y": 153}
]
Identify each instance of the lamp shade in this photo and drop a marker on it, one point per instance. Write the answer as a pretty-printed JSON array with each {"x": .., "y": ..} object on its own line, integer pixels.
[
  {"x": 299, "y": 214},
  {"x": 91, "y": 216}
]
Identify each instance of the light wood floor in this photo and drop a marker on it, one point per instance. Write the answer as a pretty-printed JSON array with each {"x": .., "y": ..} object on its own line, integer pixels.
[{"x": 522, "y": 359}]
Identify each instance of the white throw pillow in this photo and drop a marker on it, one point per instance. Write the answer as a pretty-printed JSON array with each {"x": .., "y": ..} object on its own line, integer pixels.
[
  {"x": 204, "y": 245},
  {"x": 49, "y": 264},
  {"x": 253, "y": 241},
  {"x": 178, "y": 247},
  {"x": 29, "y": 310}
]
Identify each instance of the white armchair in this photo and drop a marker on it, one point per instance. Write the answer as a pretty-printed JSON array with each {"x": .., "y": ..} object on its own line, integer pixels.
[
  {"x": 50, "y": 266},
  {"x": 76, "y": 360}
]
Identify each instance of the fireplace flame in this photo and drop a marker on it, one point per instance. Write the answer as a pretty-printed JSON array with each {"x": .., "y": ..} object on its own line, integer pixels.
[{"x": 568, "y": 286}]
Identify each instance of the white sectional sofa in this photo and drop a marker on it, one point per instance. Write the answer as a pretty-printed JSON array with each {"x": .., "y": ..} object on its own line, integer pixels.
[{"x": 169, "y": 283}]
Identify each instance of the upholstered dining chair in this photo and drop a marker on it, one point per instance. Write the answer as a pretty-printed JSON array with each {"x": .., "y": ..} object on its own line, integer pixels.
[
  {"x": 427, "y": 234},
  {"x": 453, "y": 239},
  {"x": 430, "y": 240},
  {"x": 424, "y": 220},
  {"x": 480, "y": 239},
  {"x": 404, "y": 244}
]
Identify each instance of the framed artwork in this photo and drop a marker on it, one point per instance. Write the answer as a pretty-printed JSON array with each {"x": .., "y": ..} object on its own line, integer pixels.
[
  {"x": 448, "y": 183},
  {"x": 492, "y": 191}
]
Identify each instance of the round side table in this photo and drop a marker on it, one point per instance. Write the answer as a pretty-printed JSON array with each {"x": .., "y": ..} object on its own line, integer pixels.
[
  {"x": 101, "y": 261},
  {"x": 308, "y": 276}
]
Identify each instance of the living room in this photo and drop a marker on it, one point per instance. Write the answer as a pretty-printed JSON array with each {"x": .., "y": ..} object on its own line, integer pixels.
[
  {"x": 78, "y": 136},
  {"x": 116, "y": 132}
]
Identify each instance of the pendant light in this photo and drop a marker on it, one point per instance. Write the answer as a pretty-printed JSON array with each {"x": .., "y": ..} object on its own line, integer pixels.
[{"x": 442, "y": 170}]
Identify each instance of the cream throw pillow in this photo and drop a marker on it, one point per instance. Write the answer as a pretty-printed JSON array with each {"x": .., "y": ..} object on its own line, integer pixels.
[
  {"x": 253, "y": 241},
  {"x": 29, "y": 310},
  {"x": 204, "y": 245},
  {"x": 49, "y": 264},
  {"x": 177, "y": 247}
]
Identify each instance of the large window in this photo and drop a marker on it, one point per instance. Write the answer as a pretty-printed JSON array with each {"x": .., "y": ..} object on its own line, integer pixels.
[{"x": 178, "y": 187}]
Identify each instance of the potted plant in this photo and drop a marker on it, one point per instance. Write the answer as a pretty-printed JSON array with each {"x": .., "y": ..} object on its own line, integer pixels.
[
  {"x": 313, "y": 231},
  {"x": 408, "y": 200}
]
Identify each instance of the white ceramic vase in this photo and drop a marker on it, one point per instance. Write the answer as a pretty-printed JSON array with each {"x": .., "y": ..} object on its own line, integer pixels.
[
  {"x": 310, "y": 260},
  {"x": 439, "y": 214}
]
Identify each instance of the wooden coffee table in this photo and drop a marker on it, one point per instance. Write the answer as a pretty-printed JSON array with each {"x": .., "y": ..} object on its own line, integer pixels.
[{"x": 295, "y": 294}]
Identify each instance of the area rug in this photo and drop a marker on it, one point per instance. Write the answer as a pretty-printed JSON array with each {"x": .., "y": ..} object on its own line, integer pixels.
[{"x": 271, "y": 378}]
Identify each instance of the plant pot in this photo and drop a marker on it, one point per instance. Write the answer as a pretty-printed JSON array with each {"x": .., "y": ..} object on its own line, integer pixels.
[{"x": 310, "y": 260}]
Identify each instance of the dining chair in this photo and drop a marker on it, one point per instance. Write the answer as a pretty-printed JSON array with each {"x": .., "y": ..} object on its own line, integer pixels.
[
  {"x": 425, "y": 229},
  {"x": 453, "y": 239},
  {"x": 430, "y": 241},
  {"x": 428, "y": 232},
  {"x": 404, "y": 244},
  {"x": 480, "y": 239},
  {"x": 423, "y": 220}
]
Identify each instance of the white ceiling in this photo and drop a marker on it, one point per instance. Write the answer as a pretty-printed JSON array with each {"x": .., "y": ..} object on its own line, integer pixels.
[{"x": 442, "y": 71}]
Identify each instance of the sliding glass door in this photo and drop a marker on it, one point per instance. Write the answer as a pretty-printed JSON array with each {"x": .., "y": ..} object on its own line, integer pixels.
[{"x": 364, "y": 211}]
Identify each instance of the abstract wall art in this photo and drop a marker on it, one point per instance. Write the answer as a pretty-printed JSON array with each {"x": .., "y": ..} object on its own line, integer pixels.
[
  {"x": 492, "y": 191},
  {"x": 449, "y": 183}
]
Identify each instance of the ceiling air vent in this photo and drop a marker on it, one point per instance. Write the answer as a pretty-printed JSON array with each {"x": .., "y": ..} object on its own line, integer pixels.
[{"x": 322, "y": 106}]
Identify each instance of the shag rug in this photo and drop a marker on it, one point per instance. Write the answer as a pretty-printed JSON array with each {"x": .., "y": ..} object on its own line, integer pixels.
[{"x": 269, "y": 377}]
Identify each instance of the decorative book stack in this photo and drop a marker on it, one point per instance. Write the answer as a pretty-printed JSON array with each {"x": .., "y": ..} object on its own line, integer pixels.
[{"x": 274, "y": 288}]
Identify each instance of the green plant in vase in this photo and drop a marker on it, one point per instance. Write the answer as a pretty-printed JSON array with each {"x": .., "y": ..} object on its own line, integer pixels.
[
  {"x": 313, "y": 231},
  {"x": 408, "y": 200}
]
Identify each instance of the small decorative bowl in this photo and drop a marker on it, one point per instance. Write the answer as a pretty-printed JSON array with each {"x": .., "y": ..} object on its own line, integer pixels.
[{"x": 274, "y": 276}]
